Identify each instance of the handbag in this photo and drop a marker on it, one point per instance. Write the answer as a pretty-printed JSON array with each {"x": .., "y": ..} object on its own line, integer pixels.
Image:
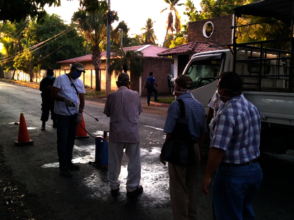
[{"x": 179, "y": 148}]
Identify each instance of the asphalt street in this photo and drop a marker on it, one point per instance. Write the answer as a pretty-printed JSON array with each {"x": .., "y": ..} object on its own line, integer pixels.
[{"x": 86, "y": 195}]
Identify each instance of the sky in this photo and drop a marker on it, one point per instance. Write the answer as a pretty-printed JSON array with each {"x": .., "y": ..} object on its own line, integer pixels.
[{"x": 134, "y": 12}]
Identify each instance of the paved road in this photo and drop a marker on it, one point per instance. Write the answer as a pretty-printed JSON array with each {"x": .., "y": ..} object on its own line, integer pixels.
[{"x": 86, "y": 195}]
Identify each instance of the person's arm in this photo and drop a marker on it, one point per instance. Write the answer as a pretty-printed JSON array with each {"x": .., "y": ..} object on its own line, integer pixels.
[
  {"x": 201, "y": 139},
  {"x": 82, "y": 102},
  {"x": 167, "y": 136},
  {"x": 54, "y": 94},
  {"x": 107, "y": 106},
  {"x": 209, "y": 115},
  {"x": 215, "y": 157},
  {"x": 156, "y": 85}
]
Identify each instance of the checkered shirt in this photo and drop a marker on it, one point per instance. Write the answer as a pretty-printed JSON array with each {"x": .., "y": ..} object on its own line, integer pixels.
[
  {"x": 236, "y": 130},
  {"x": 194, "y": 112}
]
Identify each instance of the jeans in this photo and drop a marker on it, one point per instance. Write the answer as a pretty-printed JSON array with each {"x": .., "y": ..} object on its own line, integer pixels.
[
  {"x": 149, "y": 93},
  {"x": 66, "y": 134},
  {"x": 234, "y": 189}
]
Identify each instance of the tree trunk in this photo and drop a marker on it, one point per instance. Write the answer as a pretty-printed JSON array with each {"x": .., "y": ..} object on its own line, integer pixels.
[
  {"x": 165, "y": 37},
  {"x": 1, "y": 72},
  {"x": 13, "y": 74},
  {"x": 31, "y": 73},
  {"x": 96, "y": 59}
]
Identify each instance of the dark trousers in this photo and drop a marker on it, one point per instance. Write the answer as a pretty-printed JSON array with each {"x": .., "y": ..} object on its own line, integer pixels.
[
  {"x": 234, "y": 189},
  {"x": 149, "y": 93},
  {"x": 66, "y": 134},
  {"x": 47, "y": 105}
]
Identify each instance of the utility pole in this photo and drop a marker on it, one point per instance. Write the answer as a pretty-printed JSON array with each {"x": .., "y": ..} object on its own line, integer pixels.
[
  {"x": 108, "y": 76},
  {"x": 121, "y": 38}
]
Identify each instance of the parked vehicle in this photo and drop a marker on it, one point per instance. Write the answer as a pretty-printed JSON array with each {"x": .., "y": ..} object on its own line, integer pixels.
[{"x": 267, "y": 76}]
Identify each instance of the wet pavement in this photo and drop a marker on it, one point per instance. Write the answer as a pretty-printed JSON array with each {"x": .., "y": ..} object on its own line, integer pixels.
[{"x": 86, "y": 195}]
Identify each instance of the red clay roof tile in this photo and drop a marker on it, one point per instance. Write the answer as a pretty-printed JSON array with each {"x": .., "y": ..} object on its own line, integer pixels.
[
  {"x": 147, "y": 50},
  {"x": 191, "y": 47}
]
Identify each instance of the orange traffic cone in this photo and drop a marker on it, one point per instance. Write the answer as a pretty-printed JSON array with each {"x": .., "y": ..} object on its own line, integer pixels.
[
  {"x": 23, "y": 135},
  {"x": 81, "y": 132}
]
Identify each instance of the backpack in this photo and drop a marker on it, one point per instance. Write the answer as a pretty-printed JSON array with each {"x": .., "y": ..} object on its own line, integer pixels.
[
  {"x": 148, "y": 83},
  {"x": 179, "y": 148}
]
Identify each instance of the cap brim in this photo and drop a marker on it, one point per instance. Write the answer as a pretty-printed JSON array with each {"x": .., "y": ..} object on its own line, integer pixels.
[{"x": 80, "y": 69}]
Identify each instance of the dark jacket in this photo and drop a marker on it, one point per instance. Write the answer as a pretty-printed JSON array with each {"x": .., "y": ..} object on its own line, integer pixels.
[{"x": 43, "y": 87}]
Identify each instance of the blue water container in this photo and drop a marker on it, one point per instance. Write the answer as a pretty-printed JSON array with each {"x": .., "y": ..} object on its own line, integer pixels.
[{"x": 101, "y": 152}]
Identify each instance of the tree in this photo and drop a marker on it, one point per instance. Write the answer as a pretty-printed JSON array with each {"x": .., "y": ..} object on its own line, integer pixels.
[
  {"x": 30, "y": 44},
  {"x": 18, "y": 10},
  {"x": 149, "y": 35},
  {"x": 132, "y": 61},
  {"x": 67, "y": 43},
  {"x": 11, "y": 37},
  {"x": 92, "y": 23},
  {"x": 171, "y": 26}
]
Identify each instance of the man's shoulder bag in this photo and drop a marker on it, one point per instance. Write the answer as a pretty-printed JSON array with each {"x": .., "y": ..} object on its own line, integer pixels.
[{"x": 179, "y": 148}]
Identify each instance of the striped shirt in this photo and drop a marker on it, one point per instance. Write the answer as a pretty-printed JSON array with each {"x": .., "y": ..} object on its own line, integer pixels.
[
  {"x": 123, "y": 107},
  {"x": 194, "y": 112},
  {"x": 236, "y": 130}
]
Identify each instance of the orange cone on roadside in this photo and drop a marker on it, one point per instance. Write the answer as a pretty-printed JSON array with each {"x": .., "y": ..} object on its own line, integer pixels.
[
  {"x": 81, "y": 132},
  {"x": 23, "y": 134}
]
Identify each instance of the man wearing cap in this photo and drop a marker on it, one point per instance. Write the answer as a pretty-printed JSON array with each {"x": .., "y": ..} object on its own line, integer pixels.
[
  {"x": 47, "y": 102},
  {"x": 124, "y": 107},
  {"x": 183, "y": 180},
  {"x": 68, "y": 92},
  {"x": 234, "y": 152}
]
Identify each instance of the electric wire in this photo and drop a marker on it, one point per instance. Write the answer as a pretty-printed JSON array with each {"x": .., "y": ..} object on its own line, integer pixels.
[{"x": 39, "y": 45}]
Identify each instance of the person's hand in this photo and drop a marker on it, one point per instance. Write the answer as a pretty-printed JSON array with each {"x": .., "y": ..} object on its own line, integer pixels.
[
  {"x": 68, "y": 102},
  {"x": 79, "y": 118},
  {"x": 205, "y": 183},
  {"x": 161, "y": 160},
  {"x": 48, "y": 87}
]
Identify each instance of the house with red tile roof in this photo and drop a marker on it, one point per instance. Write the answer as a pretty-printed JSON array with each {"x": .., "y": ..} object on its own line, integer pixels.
[
  {"x": 205, "y": 35},
  {"x": 160, "y": 66}
]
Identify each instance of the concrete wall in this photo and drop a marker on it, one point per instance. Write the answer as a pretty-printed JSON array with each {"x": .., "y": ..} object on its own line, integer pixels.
[
  {"x": 160, "y": 67},
  {"x": 222, "y": 33}
]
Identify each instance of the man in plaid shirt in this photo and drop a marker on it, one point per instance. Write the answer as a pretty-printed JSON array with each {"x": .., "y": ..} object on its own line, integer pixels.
[{"x": 235, "y": 139}]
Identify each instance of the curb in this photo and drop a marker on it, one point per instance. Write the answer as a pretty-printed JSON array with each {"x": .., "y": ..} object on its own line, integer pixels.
[{"x": 159, "y": 104}]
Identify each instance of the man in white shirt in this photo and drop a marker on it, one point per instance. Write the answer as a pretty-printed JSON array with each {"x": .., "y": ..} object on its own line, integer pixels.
[{"x": 68, "y": 92}]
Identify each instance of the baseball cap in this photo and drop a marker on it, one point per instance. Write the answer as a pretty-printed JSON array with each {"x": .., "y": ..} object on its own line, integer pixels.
[
  {"x": 123, "y": 78},
  {"x": 78, "y": 66},
  {"x": 184, "y": 81}
]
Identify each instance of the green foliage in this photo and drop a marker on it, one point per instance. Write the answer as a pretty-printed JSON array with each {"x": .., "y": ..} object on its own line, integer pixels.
[
  {"x": 29, "y": 44},
  {"x": 92, "y": 22},
  {"x": 149, "y": 35},
  {"x": 132, "y": 61},
  {"x": 265, "y": 28},
  {"x": 18, "y": 10},
  {"x": 170, "y": 19}
]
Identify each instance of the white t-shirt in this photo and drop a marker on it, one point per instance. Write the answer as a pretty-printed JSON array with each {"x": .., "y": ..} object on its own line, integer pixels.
[{"x": 67, "y": 91}]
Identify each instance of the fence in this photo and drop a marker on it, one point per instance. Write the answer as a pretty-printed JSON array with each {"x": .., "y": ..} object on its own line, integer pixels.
[{"x": 88, "y": 78}]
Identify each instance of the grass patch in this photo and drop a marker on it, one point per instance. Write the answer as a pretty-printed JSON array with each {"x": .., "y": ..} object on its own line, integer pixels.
[
  {"x": 91, "y": 93},
  {"x": 167, "y": 100}
]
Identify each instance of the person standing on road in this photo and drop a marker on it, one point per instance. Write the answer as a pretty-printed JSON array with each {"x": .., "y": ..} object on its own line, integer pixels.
[
  {"x": 47, "y": 102},
  {"x": 124, "y": 107},
  {"x": 68, "y": 92},
  {"x": 183, "y": 180},
  {"x": 149, "y": 85},
  {"x": 234, "y": 152}
]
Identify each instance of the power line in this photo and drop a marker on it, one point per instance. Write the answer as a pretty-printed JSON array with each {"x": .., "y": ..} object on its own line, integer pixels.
[{"x": 39, "y": 45}]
